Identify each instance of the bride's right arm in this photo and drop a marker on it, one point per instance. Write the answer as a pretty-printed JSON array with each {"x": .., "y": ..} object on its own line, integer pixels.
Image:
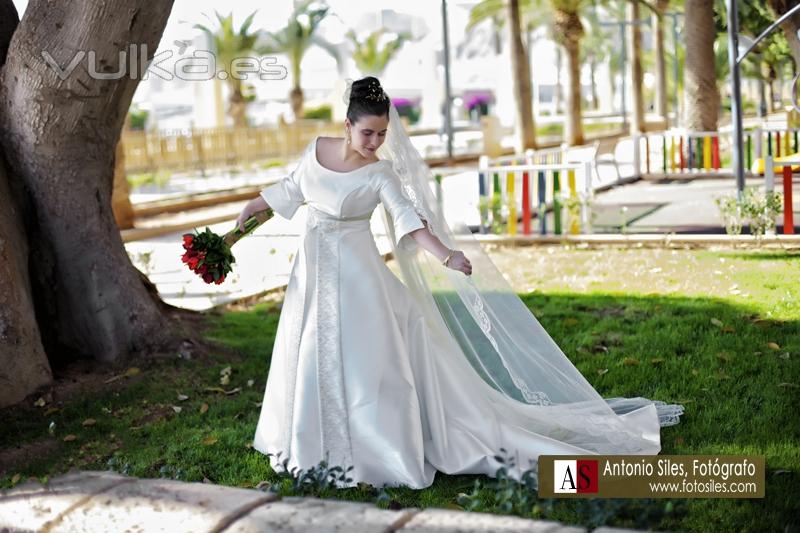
[
  {"x": 253, "y": 206},
  {"x": 284, "y": 196}
]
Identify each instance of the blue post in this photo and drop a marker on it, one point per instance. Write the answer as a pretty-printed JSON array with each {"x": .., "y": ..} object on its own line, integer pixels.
[{"x": 542, "y": 205}]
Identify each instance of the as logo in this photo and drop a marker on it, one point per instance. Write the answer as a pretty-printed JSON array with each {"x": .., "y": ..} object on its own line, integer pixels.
[{"x": 576, "y": 477}]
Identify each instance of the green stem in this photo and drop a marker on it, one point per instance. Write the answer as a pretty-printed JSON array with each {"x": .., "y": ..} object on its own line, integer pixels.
[{"x": 254, "y": 221}]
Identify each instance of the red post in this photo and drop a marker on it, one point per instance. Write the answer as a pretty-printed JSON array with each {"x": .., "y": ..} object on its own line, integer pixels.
[
  {"x": 788, "y": 216},
  {"x": 683, "y": 161},
  {"x": 526, "y": 204},
  {"x": 715, "y": 152}
]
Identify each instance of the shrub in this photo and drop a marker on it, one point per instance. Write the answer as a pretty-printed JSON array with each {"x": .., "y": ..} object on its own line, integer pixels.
[{"x": 757, "y": 207}]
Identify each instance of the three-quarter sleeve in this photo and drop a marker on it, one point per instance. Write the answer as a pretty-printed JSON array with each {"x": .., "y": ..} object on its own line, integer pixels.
[
  {"x": 285, "y": 196},
  {"x": 404, "y": 216}
]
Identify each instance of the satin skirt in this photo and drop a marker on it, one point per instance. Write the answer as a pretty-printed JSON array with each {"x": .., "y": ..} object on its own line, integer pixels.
[{"x": 358, "y": 378}]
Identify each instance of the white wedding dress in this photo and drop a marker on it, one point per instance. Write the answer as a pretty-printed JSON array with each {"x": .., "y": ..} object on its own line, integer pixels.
[{"x": 359, "y": 378}]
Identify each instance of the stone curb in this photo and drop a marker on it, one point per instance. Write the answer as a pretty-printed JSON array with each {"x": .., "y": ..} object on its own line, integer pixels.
[
  {"x": 636, "y": 239},
  {"x": 107, "y": 501}
]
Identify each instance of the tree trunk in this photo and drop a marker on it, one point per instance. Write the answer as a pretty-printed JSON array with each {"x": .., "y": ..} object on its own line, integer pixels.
[
  {"x": 661, "y": 63},
  {"x": 771, "y": 77},
  {"x": 522, "y": 81},
  {"x": 612, "y": 85},
  {"x": 635, "y": 67},
  {"x": 296, "y": 99},
  {"x": 700, "y": 85},
  {"x": 771, "y": 91},
  {"x": 593, "y": 76},
  {"x": 496, "y": 36},
  {"x": 557, "y": 95},
  {"x": 59, "y": 138},
  {"x": 120, "y": 195},
  {"x": 23, "y": 361},
  {"x": 570, "y": 31},
  {"x": 238, "y": 106}
]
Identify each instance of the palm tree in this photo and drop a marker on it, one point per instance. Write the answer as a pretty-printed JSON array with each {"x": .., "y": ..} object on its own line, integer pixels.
[
  {"x": 701, "y": 93},
  {"x": 520, "y": 63},
  {"x": 294, "y": 40},
  {"x": 660, "y": 7},
  {"x": 494, "y": 10},
  {"x": 595, "y": 51},
  {"x": 566, "y": 29},
  {"x": 531, "y": 17},
  {"x": 371, "y": 59},
  {"x": 229, "y": 45},
  {"x": 635, "y": 67}
]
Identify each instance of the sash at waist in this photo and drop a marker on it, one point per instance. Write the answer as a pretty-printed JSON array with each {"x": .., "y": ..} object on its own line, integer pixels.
[{"x": 317, "y": 217}]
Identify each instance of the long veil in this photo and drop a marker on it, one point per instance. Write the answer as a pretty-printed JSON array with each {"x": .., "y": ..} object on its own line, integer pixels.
[{"x": 499, "y": 336}]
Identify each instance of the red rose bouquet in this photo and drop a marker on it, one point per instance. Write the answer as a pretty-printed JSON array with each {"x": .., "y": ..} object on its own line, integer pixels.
[{"x": 209, "y": 255}]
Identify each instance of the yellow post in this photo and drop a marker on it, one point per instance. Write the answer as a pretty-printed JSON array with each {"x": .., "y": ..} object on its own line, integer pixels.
[
  {"x": 574, "y": 214},
  {"x": 672, "y": 153},
  {"x": 707, "y": 153},
  {"x": 511, "y": 202},
  {"x": 787, "y": 147}
]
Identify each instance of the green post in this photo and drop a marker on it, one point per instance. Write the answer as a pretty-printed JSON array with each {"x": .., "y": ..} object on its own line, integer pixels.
[
  {"x": 556, "y": 203},
  {"x": 496, "y": 202},
  {"x": 664, "y": 153},
  {"x": 439, "y": 196},
  {"x": 700, "y": 153},
  {"x": 750, "y": 151},
  {"x": 542, "y": 191}
]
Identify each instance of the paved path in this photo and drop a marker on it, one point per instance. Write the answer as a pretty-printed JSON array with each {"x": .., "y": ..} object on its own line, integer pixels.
[{"x": 89, "y": 501}]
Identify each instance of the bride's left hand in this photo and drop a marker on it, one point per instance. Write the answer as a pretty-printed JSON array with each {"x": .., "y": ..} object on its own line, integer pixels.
[{"x": 460, "y": 262}]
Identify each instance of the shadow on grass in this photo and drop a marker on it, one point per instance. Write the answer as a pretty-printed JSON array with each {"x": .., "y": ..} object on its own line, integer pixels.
[
  {"x": 740, "y": 396},
  {"x": 777, "y": 255}
]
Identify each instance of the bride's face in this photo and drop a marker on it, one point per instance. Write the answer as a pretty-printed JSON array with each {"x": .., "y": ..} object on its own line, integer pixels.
[{"x": 368, "y": 134}]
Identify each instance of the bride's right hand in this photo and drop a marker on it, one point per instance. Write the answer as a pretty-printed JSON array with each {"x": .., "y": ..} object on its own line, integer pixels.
[
  {"x": 243, "y": 216},
  {"x": 460, "y": 262}
]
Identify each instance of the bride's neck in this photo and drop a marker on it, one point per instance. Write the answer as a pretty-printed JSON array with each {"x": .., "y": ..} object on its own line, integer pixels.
[{"x": 349, "y": 155}]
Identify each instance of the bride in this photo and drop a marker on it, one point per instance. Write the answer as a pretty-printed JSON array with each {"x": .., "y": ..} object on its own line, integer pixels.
[{"x": 439, "y": 371}]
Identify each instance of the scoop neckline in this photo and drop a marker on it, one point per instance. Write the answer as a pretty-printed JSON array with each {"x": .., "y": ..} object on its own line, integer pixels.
[{"x": 316, "y": 160}]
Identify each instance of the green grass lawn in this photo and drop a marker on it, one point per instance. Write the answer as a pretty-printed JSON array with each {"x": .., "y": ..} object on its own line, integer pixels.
[{"x": 715, "y": 330}]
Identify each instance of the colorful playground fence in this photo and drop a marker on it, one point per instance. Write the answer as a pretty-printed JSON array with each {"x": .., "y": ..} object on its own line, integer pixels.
[
  {"x": 516, "y": 188},
  {"x": 678, "y": 151}
]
